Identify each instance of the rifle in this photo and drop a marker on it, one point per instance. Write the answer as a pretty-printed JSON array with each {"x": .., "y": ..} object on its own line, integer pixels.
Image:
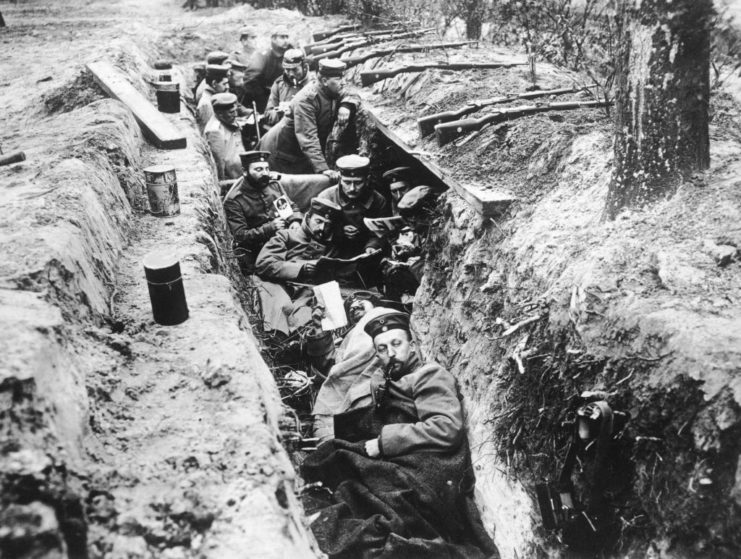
[
  {"x": 368, "y": 78},
  {"x": 448, "y": 131},
  {"x": 310, "y": 47},
  {"x": 427, "y": 123},
  {"x": 332, "y": 50},
  {"x": 355, "y": 60},
  {"x": 341, "y": 29}
]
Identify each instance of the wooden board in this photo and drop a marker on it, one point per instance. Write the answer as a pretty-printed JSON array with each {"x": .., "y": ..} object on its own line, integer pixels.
[
  {"x": 486, "y": 202},
  {"x": 156, "y": 128}
]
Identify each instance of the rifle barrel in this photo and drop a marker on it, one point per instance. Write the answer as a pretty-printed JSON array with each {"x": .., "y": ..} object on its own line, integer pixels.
[
  {"x": 448, "y": 131},
  {"x": 355, "y": 60}
]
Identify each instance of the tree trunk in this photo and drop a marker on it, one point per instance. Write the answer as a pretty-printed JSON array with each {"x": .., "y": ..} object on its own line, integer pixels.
[
  {"x": 663, "y": 91},
  {"x": 474, "y": 16}
]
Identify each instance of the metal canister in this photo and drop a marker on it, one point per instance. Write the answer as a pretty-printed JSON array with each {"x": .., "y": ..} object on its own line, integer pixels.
[
  {"x": 168, "y": 97},
  {"x": 166, "y": 291},
  {"x": 164, "y": 70},
  {"x": 162, "y": 190}
]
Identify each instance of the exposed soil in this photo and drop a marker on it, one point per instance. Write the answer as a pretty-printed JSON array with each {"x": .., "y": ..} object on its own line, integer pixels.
[{"x": 122, "y": 438}]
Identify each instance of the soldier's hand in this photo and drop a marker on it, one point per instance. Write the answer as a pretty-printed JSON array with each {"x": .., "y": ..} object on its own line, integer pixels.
[
  {"x": 372, "y": 448},
  {"x": 343, "y": 116},
  {"x": 279, "y": 223},
  {"x": 334, "y": 176},
  {"x": 350, "y": 231},
  {"x": 308, "y": 269},
  {"x": 294, "y": 226}
]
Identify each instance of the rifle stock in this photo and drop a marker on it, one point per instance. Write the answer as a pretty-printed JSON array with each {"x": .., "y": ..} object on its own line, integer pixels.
[
  {"x": 321, "y": 35},
  {"x": 368, "y": 78},
  {"x": 448, "y": 131},
  {"x": 427, "y": 124}
]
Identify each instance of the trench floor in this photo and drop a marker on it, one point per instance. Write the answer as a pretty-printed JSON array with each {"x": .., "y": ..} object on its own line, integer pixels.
[{"x": 186, "y": 455}]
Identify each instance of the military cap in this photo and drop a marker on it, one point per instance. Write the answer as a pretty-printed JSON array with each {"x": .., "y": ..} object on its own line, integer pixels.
[
  {"x": 331, "y": 67},
  {"x": 386, "y": 322},
  {"x": 325, "y": 208},
  {"x": 217, "y": 57},
  {"x": 236, "y": 65},
  {"x": 397, "y": 174},
  {"x": 417, "y": 199},
  {"x": 222, "y": 101},
  {"x": 216, "y": 71},
  {"x": 279, "y": 30},
  {"x": 293, "y": 58},
  {"x": 247, "y": 31},
  {"x": 247, "y": 157},
  {"x": 353, "y": 166}
]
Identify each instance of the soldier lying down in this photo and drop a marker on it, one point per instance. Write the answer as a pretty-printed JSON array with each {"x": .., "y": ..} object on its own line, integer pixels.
[{"x": 399, "y": 468}]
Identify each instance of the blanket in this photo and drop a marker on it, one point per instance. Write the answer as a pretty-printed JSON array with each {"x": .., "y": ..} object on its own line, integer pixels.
[{"x": 419, "y": 505}]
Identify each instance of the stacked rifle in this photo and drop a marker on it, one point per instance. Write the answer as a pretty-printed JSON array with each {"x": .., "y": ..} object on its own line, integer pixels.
[{"x": 449, "y": 125}]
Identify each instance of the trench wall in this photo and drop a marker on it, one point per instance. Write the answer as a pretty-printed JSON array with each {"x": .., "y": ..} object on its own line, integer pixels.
[{"x": 77, "y": 327}]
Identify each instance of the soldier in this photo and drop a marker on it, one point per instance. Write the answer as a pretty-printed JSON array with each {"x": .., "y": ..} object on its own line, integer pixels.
[
  {"x": 295, "y": 77},
  {"x": 399, "y": 182},
  {"x": 291, "y": 256},
  {"x": 224, "y": 136},
  {"x": 216, "y": 57},
  {"x": 402, "y": 272},
  {"x": 264, "y": 68},
  {"x": 357, "y": 200},
  {"x": 247, "y": 38},
  {"x": 298, "y": 142},
  {"x": 217, "y": 81},
  {"x": 252, "y": 210}
]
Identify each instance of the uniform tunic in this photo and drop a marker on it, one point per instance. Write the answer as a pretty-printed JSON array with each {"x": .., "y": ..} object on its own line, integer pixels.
[
  {"x": 281, "y": 92},
  {"x": 431, "y": 391},
  {"x": 205, "y": 111},
  {"x": 353, "y": 212},
  {"x": 297, "y": 143},
  {"x": 225, "y": 142},
  {"x": 250, "y": 211},
  {"x": 287, "y": 251},
  {"x": 262, "y": 70}
]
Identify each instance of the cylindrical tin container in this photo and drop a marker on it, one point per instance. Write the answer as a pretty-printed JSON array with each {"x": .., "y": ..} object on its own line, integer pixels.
[
  {"x": 168, "y": 97},
  {"x": 163, "y": 67},
  {"x": 162, "y": 190},
  {"x": 166, "y": 292}
]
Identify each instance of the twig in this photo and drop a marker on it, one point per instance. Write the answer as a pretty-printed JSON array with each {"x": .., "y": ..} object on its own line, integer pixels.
[
  {"x": 516, "y": 327},
  {"x": 622, "y": 380}
]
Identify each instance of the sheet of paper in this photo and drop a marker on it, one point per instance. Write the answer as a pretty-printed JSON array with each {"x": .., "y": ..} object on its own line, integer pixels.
[{"x": 328, "y": 295}]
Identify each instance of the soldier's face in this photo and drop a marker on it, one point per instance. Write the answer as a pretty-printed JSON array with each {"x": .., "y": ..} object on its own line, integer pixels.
[
  {"x": 334, "y": 85},
  {"x": 236, "y": 80},
  {"x": 353, "y": 187},
  {"x": 227, "y": 116},
  {"x": 259, "y": 173},
  {"x": 248, "y": 41},
  {"x": 399, "y": 189},
  {"x": 394, "y": 346},
  {"x": 359, "y": 308},
  {"x": 295, "y": 75},
  {"x": 279, "y": 42},
  {"x": 318, "y": 225},
  {"x": 222, "y": 85}
]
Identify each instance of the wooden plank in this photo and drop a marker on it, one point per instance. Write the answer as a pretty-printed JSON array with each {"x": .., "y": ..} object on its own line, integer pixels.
[
  {"x": 486, "y": 202},
  {"x": 156, "y": 128}
]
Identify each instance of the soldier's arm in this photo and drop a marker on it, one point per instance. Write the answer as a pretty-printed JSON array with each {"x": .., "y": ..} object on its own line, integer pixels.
[
  {"x": 271, "y": 110},
  {"x": 271, "y": 263},
  {"x": 307, "y": 135},
  {"x": 380, "y": 208},
  {"x": 440, "y": 425},
  {"x": 218, "y": 149},
  {"x": 243, "y": 234}
]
